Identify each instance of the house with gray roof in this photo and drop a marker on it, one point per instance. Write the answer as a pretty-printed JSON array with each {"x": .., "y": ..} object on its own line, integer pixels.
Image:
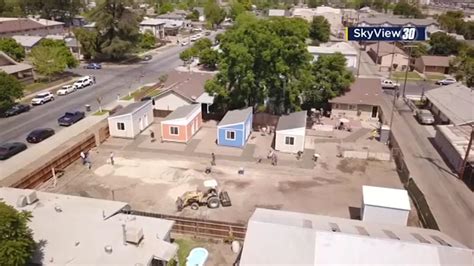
[
  {"x": 21, "y": 71},
  {"x": 276, "y": 237},
  {"x": 291, "y": 132},
  {"x": 131, "y": 120},
  {"x": 28, "y": 42},
  {"x": 452, "y": 104},
  {"x": 235, "y": 127},
  {"x": 182, "y": 123}
]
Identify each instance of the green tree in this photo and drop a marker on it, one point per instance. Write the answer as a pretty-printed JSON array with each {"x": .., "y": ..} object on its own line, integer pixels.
[
  {"x": 202, "y": 44},
  {"x": 187, "y": 55},
  {"x": 89, "y": 41},
  {"x": 261, "y": 62},
  {"x": 214, "y": 13},
  {"x": 16, "y": 239},
  {"x": 10, "y": 90},
  {"x": 443, "y": 44},
  {"x": 193, "y": 16},
  {"x": 116, "y": 27},
  {"x": 148, "y": 40},
  {"x": 407, "y": 10},
  {"x": 48, "y": 60},
  {"x": 62, "y": 10},
  {"x": 330, "y": 79},
  {"x": 209, "y": 58},
  {"x": 463, "y": 66},
  {"x": 71, "y": 61},
  {"x": 419, "y": 50},
  {"x": 451, "y": 20},
  {"x": 12, "y": 49},
  {"x": 316, "y": 3},
  {"x": 236, "y": 8},
  {"x": 320, "y": 29},
  {"x": 166, "y": 8}
]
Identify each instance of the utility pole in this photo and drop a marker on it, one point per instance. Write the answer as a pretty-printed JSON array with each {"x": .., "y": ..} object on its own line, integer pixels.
[
  {"x": 466, "y": 156},
  {"x": 391, "y": 62},
  {"x": 406, "y": 70},
  {"x": 358, "y": 62}
]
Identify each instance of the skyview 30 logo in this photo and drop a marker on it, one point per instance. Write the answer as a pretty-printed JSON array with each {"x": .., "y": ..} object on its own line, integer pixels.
[{"x": 403, "y": 34}]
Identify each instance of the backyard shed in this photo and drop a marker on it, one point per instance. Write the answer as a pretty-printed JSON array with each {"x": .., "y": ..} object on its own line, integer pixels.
[
  {"x": 291, "y": 132},
  {"x": 129, "y": 121},
  {"x": 234, "y": 129},
  {"x": 385, "y": 205},
  {"x": 182, "y": 123}
]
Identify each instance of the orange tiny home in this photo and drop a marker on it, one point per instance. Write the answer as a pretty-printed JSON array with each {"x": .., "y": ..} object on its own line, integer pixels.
[{"x": 182, "y": 123}]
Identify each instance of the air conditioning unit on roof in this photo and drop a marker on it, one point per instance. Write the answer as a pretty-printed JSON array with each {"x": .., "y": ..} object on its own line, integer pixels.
[
  {"x": 133, "y": 235},
  {"x": 31, "y": 197}
]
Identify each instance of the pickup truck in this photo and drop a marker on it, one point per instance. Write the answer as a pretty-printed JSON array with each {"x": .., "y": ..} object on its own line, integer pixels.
[
  {"x": 70, "y": 118},
  {"x": 389, "y": 84}
]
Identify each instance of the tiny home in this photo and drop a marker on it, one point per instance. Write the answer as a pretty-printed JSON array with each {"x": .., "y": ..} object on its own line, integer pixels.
[
  {"x": 182, "y": 123},
  {"x": 129, "y": 121},
  {"x": 235, "y": 128},
  {"x": 385, "y": 205},
  {"x": 290, "y": 132}
]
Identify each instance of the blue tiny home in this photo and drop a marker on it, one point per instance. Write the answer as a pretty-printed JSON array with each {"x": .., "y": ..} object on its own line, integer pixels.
[{"x": 235, "y": 128}]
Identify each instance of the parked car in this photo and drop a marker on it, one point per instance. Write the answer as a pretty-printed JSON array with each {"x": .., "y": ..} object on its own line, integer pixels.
[
  {"x": 42, "y": 98},
  {"x": 17, "y": 109},
  {"x": 147, "y": 57},
  {"x": 66, "y": 90},
  {"x": 39, "y": 135},
  {"x": 70, "y": 118},
  {"x": 446, "y": 81},
  {"x": 7, "y": 150},
  {"x": 184, "y": 43},
  {"x": 207, "y": 33},
  {"x": 389, "y": 84},
  {"x": 93, "y": 66},
  {"x": 83, "y": 82},
  {"x": 424, "y": 117}
]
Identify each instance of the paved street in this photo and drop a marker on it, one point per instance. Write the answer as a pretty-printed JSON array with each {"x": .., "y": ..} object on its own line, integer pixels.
[{"x": 111, "y": 81}]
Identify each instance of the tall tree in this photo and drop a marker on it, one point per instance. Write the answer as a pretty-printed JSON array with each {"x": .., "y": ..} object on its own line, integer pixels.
[
  {"x": 62, "y": 10},
  {"x": 48, "y": 60},
  {"x": 236, "y": 8},
  {"x": 147, "y": 40},
  {"x": 214, "y": 13},
  {"x": 261, "y": 62},
  {"x": 10, "y": 90},
  {"x": 16, "y": 239},
  {"x": 443, "y": 44},
  {"x": 71, "y": 62},
  {"x": 320, "y": 29},
  {"x": 330, "y": 79},
  {"x": 12, "y": 49},
  {"x": 463, "y": 66},
  {"x": 209, "y": 58},
  {"x": 116, "y": 27},
  {"x": 89, "y": 41},
  {"x": 407, "y": 10},
  {"x": 419, "y": 50}
]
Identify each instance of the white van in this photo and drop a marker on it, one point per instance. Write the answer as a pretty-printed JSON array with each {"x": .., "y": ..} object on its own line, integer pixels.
[{"x": 83, "y": 82}]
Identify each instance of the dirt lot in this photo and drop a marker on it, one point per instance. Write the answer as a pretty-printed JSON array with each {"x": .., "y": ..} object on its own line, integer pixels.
[{"x": 150, "y": 178}]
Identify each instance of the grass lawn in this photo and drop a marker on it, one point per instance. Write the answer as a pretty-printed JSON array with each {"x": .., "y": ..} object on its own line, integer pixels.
[
  {"x": 185, "y": 246},
  {"x": 154, "y": 93},
  {"x": 138, "y": 92},
  {"x": 127, "y": 97},
  {"x": 434, "y": 76},
  {"x": 101, "y": 113},
  {"x": 401, "y": 75},
  {"x": 38, "y": 86}
]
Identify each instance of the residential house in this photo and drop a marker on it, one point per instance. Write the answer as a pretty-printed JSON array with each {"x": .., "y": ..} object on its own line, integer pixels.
[
  {"x": 131, "y": 120},
  {"x": 21, "y": 71},
  {"x": 349, "y": 52},
  {"x": 175, "y": 15},
  {"x": 332, "y": 15},
  {"x": 87, "y": 231},
  {"x": 235, "y": 127},
  {"x": 276, "y": 237},
  {"x": 29, "y": 26},
  {"x": 385, "y": 205},
  {"x": 182, "y": 123},
  {"x": 362, "y": 100},
  {"x": 74, "y": 46},
  {"x": 184, "y": 88},
  {"x": 28, "y": 42},
  {"x": 155, "y": 26},
  {"x": 290, "y": 132},
  {"x": 433, "y": 64},
  {"x": 452, "y": 104},
  {"x": 387, "y": 56}
]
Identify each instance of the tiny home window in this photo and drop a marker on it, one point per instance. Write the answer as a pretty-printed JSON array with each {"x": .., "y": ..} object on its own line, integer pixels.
[
  {"x": 174, "y": 130},
  {"x": 289, "y": 140},
  {"x": 120, "y": 126},
  {"x": 230, "y": 135}
]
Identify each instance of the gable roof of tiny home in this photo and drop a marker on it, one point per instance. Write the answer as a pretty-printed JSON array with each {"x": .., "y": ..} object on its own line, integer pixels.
[{"x": 235, "y": 117}]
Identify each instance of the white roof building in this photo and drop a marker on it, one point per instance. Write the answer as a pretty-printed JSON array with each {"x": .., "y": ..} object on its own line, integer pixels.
[
  {"x": 289, "y": 238},
  {"x": 349, "y": 52},
  {"x": 332, "y": 15},
  {"x": 277, "y": 12},
  {"x": 85, "y": 231},
  {"x": 386, "y": 197}
]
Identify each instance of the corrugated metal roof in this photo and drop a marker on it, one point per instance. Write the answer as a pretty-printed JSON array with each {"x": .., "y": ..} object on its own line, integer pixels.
[
  {"x": 183, "y": 112},
  {"x": 455, "y": 101},
  {"x": 291, "y": 121},
  {"x": 131, "y": 108},
  {"x": 236, "y": 116}
]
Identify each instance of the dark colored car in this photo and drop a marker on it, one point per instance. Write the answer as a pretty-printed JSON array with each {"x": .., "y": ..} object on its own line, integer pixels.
[
  {"x": 17, "y": 109},
  {"x": 70, "y": 118},
  {"x": 7, "y": 150},
  {"x": 93, "y": 66},
  {"x": 39, "y": 135}
]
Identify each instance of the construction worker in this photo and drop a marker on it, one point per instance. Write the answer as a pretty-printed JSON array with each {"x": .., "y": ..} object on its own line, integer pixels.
[{"x": 213, "y": 159}]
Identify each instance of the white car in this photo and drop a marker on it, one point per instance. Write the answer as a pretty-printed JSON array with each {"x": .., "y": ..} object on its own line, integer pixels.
[
  {"x": 184, "y": 43},
  {"x": 83, "y": 82},
  {"x": 389, "y": 84},
  {"x": 42, "y": 98},
  {"x": 66, "y": 90},
  {"x": 446, "y": 81}
]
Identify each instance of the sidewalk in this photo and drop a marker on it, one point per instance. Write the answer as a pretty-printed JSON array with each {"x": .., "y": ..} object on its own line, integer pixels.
[{"x": 451, "y": 202}]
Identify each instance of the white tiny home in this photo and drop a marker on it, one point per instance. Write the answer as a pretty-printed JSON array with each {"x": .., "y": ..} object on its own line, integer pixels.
[
  {"x": 290, "y": 132},
  {"x": 129, "y": 121},
  {"x": 385, "y": 205}
]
